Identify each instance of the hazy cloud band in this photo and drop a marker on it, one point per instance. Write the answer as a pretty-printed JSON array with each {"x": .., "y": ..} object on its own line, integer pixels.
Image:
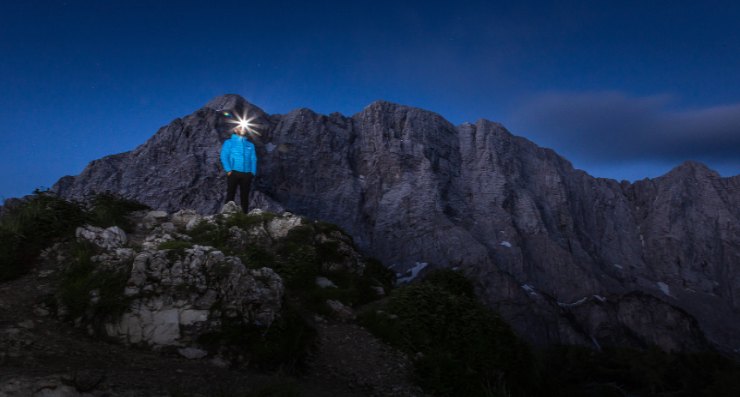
[{"x": 607, "y": 127}]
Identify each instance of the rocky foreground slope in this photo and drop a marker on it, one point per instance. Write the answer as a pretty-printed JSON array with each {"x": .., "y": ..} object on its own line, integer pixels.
[
  {"x": 157, "y": 312},
  {"x": 563, "y": 256}
]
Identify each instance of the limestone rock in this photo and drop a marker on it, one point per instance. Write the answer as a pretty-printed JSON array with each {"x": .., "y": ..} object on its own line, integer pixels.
[
  {"x": 230, "y": 208},
  {"x": 109, "y": 238},
  {"x": 176, "y": 300},
  {"x": 324, "y": 282},
  {"x": 192, "y": 353},
  {"x": 183, "y": 218},
  {"x": 280, "y": 226}
]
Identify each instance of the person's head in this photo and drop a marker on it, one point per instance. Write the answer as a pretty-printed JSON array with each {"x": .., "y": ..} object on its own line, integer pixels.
[{"x": 240, "y": 130}]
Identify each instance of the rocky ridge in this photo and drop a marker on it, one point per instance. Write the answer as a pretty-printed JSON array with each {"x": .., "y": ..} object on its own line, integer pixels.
[{"x": 564, "y": 257}]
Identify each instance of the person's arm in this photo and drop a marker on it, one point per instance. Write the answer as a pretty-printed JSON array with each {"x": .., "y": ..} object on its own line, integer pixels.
[
  {"x": 225, "y": 149},
  {"x": 254, "y": 159}
]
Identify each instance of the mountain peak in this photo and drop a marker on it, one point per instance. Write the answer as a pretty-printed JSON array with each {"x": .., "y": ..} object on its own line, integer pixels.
[
  {"x": 382, "y": 105},
  {"x": 225, "y": 102},
  {"x": 691, "y": 167},
  {"x": 235, "y": 104}
]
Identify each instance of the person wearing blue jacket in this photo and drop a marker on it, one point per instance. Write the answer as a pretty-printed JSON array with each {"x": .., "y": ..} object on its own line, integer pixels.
[{"x": 239, "y": 159}]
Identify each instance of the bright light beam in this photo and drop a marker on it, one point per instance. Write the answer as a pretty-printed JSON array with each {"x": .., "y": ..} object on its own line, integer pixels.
[{"x": 245, "y": 124}]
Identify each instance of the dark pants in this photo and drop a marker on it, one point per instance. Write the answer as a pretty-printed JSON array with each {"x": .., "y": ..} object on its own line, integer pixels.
[{"x": 243, "y": 181}]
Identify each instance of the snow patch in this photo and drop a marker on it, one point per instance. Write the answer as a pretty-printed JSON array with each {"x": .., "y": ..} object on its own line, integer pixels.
[
  {"x": 618, "y": 266},
  {"x": 530, "y": 289},
  {"x": 505, "y": 244},
  {"x": 664, "y": 288},
  {"x": 600, "y": 298},
  {"x": 576, "y": 303},
  {"x": 270, "y": 147},
  {"x": 412, "y": 273}
]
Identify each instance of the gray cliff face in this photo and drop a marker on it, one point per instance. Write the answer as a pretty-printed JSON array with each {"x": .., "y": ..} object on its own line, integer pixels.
[{"x": 563, "y": 256}]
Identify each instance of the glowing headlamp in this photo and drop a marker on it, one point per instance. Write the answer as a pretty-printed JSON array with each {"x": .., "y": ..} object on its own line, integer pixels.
[{"x": 243, "y": 123}]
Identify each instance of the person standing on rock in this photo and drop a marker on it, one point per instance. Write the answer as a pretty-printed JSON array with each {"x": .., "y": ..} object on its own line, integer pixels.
[{"x": 239, "y": 159}]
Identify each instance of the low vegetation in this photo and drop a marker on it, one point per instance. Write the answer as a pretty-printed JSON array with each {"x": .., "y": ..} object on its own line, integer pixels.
[
  {"x": 578, "y": 371},
  {"x": 459, "y": 346},
  {"x": 89, "y": 290},
  {"x": 107, "y": 209},
  {"x": 29, "y": 227},
  {"x": 284, "y": 346},
  {"x": 299, "y": 258},
  {"x": 43, "y": 218}
]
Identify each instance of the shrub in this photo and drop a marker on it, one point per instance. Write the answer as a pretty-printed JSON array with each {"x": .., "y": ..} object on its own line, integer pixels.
[
  {"x": 178, "y": 245},
  {"x": 256, "y": 257},
  {"x": 33, "y": 225},
  {"x": 284, "y": 345},
  {"x": 82, "y": 276},
  {"x": 379, "y": 273},
  {"x": 214, "y": 235},
  {"x": 108, "y": 209},
  {"x": 461, "y": 347},
  {"x": 297, "y": 264}
]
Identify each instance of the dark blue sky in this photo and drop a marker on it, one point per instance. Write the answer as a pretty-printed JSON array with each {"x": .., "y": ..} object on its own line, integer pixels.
[{"x": 622, "y": 89}]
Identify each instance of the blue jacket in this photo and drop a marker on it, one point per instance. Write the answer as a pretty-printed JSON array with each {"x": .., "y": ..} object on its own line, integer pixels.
[{"x": 239, "y": 154}]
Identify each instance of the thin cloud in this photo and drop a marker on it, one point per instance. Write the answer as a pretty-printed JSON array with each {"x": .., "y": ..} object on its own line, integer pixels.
[{"x": 613, "y": 127}]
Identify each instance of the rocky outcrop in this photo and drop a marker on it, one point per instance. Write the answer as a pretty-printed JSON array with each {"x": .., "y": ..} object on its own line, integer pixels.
[
  {"x": 176, "y": 301},
  {"x": 532, "y": 230},
  {"x": 176, "y": 294}
]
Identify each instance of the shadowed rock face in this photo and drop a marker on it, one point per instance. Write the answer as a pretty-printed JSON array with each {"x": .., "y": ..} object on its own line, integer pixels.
[{"x": 563, "y": 256}]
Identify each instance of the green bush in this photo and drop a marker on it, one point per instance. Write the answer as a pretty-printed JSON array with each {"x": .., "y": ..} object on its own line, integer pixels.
[
  {"x": 178, "y": 245},
  {"x": 380, "y": 274},
  {"x": 82, "y": 276},
  {"x": 210, "y": 234},
  {"x": 284, "y": 345},
  {"x": 42, "y": 219},
  {"x": 108, "y": 209},
  {"x": 297, "y": 264},
  {"x": 33, "y": 225},
  {"x": 256, "y": 257},
  {"x": 12, "y": 261},
  {"x": 461, "y": 347}
]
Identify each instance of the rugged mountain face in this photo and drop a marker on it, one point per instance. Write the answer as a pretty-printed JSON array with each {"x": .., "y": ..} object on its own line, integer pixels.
[{"x": 563, "y": 256}]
